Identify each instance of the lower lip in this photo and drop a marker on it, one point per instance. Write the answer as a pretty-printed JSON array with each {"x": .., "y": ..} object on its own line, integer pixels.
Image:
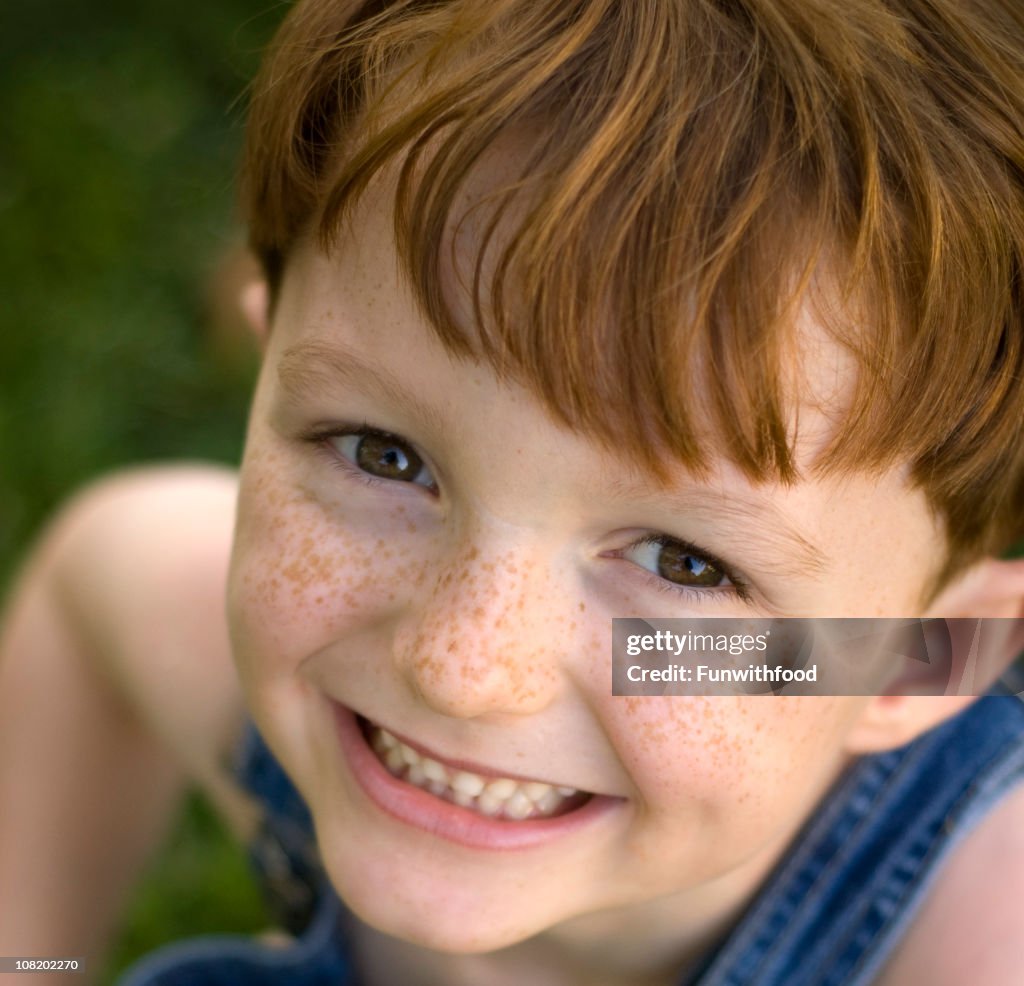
[{"x": 465, "y": 827}]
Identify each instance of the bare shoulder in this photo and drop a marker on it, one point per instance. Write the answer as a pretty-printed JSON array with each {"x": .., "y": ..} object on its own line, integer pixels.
[
  {"x": 971, "y": 927},
  {"x": 144, "y": 557}
]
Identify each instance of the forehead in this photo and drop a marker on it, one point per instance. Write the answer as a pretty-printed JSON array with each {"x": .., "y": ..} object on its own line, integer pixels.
[
  {"x": 625, "y": 331},
  {"x": 610, "y": 379}
]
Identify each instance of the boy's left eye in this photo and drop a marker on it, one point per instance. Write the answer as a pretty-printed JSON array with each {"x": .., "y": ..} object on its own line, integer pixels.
[
  {"x": 678, "y": 563},
  {"x": 383, "y": 456}
]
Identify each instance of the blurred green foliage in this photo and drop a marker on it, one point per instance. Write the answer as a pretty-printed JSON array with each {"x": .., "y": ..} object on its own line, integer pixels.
[
  {"x": 120, "y": 130},
  {"x": 120, "y": 127}
]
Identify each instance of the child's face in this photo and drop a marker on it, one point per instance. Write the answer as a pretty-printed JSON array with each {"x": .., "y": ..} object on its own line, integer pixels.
[{"x": 421, "y": 546}]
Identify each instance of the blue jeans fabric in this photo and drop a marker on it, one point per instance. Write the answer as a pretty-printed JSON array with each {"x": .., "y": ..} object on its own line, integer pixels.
[{"x": 829, "y": 915}]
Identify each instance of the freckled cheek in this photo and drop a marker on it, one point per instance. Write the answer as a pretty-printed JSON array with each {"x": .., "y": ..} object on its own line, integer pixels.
[
  {"x": 730, "y": 759},
  {"x": 303, "y": 577}
]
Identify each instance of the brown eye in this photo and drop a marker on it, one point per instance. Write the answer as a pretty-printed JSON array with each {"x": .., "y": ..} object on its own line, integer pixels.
[
  {"x": 384, "y": 456},
  {"x": 679, "y": 563}
]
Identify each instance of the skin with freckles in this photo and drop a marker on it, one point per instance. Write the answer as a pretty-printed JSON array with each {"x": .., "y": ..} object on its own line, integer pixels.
[{"x": 421, "y": 543}]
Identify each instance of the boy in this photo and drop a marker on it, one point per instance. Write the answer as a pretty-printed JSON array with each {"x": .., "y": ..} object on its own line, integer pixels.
[{"x": 574, "y": 310}]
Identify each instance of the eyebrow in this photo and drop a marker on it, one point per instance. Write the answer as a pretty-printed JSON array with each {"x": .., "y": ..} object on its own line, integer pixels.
[
  {"x": 775, "y": 532},
  {"x": 308, "y": 368}
]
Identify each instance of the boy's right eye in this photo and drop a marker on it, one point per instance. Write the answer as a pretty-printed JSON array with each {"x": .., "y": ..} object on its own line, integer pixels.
[{"x": 383, "y": 456}]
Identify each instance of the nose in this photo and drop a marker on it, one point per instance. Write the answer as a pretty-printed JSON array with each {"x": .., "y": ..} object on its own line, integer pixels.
[{"x": 488, "y": 636}]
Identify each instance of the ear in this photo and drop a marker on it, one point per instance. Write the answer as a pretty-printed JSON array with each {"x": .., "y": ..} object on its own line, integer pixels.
[
  {"x": 992, "y": 590},
  {"x": 254, "y": 300}
]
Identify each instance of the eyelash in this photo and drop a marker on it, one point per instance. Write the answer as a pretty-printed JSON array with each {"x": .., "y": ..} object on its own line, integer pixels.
[{"x": 738, "y": 588}]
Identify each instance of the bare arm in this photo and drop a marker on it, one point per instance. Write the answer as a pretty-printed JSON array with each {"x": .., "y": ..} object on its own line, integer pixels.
[
  {"x": 116, "y": 690},
  {"x": 969, "y": 930}
]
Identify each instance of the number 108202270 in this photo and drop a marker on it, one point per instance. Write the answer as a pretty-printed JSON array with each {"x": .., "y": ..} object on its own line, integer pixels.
[{"x": 40, "y": 965}]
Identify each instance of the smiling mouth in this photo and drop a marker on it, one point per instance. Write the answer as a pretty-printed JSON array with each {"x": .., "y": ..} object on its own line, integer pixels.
[{"x": 500, "y": 798}]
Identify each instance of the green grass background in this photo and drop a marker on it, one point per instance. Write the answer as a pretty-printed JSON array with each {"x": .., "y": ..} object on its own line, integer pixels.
[{"x": 120, "y": 126}]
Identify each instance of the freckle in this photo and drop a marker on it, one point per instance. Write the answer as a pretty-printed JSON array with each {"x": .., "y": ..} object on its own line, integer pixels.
[{"x": 582, "y": 607}]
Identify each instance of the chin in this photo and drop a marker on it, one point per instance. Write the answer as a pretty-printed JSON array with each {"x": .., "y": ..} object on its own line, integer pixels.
[{"x": 443, "y": 915}]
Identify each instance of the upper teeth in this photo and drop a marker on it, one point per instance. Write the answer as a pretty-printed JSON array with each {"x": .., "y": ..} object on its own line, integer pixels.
[{"x": 502, "y": 796}]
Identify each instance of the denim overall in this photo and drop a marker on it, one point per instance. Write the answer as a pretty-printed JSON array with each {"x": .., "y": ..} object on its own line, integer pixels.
[{"x": 829, "y": 915}]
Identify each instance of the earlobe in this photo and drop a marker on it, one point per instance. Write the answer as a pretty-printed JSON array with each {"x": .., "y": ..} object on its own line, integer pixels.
[
  {"x": 254, "y": 300},
  {"x": 891, "y": 721}
]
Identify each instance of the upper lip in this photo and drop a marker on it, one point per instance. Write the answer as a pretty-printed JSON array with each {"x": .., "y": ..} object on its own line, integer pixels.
[{"x": 458, "y": 763}]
